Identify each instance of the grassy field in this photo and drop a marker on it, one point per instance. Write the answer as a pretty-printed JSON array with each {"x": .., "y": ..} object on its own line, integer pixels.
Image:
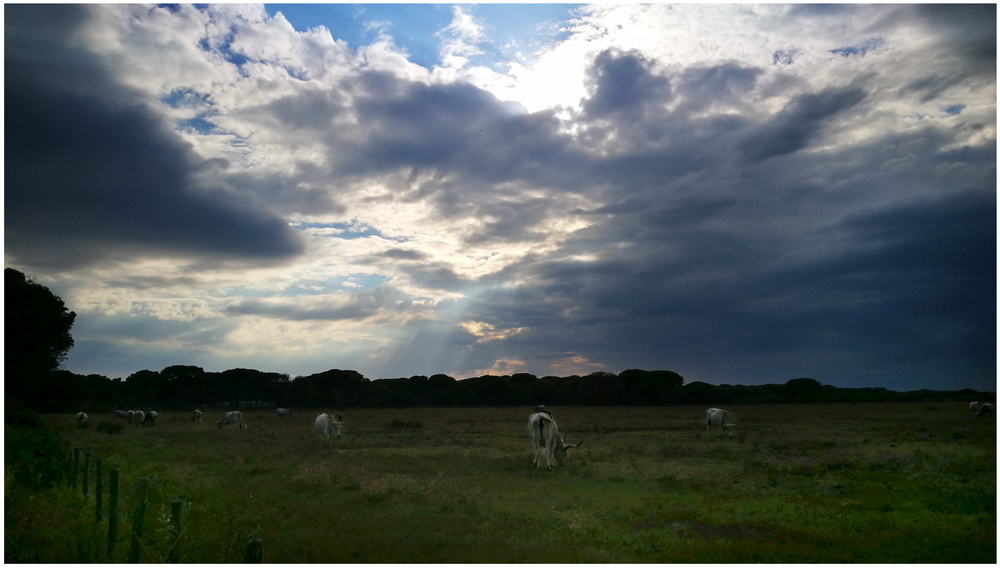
[{"x": 871, "y": 483}]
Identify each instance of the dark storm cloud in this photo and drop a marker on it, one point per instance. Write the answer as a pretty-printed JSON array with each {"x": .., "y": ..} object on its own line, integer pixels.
[
  {"x": 799, "y": 122},
  {"x": 877, "y": 260},
  {"x": 403, "y": 254},
  {"x": 970, "y": 29},
  {"x": 92, "y": 174},
  {"x": 450, "y": 128},
  {"x": 621, "y": 84}
]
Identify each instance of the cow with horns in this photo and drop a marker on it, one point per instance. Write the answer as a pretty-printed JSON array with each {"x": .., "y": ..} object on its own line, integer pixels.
[
  {"x": 232, "y": 417},
  {"x": 545, "y": 438},
  {"x": 719, "y": 419},
  {"x": 328, "y": 425}
]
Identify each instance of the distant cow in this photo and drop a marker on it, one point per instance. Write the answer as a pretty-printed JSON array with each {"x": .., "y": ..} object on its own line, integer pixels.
[
  {"x": 329, "y": 425},
  {"x": 719, "y": 418},
  {"x": 118, "y": 415},
  {"x": 81, "y": 420},
  {"x": 196, "y": 416},
  {"x": 545, "y": 438},
  {"x": 233, "y": 417},
  {"x": 138, "y": 417},
  {"x": 129, "y": 416},
  {"x": 151, "y": 418},
  {"x": 985, "y": 410},
  {"x": 283, "y": 412},
  {"x": 975, "y": 406}
]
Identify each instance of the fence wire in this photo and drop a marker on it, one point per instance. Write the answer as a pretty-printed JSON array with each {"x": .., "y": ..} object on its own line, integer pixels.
[{"x": 159, "y": 532}]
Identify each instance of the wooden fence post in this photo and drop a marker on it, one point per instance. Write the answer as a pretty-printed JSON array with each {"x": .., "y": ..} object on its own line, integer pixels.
[
  {"x": 140, "y": 511},
  {"x": 75, "y": 467},
  {"x": 114, "y": 487},
  {"x": 86, "y": 475},
  {"x": 98, "y": 487},
  {"x": 255, "y": 551},
  {"x": 175, "y": 530}
]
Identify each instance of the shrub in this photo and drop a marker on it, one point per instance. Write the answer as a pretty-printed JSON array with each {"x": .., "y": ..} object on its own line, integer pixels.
[{"x": 34, "y": 457}]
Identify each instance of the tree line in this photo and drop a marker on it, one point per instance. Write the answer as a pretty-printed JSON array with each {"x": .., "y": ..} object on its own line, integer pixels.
[
  {"x": 37, "y": 337},
  {"x": 180, "y": 387}
]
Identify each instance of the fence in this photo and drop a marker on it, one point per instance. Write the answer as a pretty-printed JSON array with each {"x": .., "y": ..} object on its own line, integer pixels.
[{"x": 166, "y": 541}]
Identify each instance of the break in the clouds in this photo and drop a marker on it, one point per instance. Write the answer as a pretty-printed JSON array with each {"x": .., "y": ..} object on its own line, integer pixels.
[{"x": 739, "y": 194}]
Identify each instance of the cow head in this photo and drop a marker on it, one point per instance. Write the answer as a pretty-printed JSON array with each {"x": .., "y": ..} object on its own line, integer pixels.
[
  {"x": 560, "y": 450},
  {"x": 336, "y": 421}
]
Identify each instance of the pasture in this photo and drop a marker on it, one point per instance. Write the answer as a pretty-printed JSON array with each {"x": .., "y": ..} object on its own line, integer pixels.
[{"x": 872, "y": 483}]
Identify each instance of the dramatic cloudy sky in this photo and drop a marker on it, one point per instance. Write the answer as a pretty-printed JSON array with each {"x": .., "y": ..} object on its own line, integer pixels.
[{"x": 739, "y": 194}]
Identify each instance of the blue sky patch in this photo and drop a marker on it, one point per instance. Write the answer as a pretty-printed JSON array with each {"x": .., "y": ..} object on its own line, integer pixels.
[
  {"x": 784, "y": 57},
  {"x": 954, "y": 109},
  {"x": 180, "y": 98},
  {"x": 859, "y": 49},
  {"x": 513, "y": 31},
  {"x": 198, "y": 124},
  {"x": 357, "y": 281},
  {"x": 349, "y": 230}
]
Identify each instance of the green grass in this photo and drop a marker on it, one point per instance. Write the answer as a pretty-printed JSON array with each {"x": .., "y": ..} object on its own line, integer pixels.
[{"x": 866, "y": 483}]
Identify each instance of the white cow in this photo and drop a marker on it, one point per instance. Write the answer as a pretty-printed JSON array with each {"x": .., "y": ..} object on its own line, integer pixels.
[
  {"x": 720, "y": 419},
  {"x": 196, "y": 417},
  {"x": 130, "y": 416},
  {"x": 151, "y": 418},
  {"x": 138, "y": 417},
  {"x": 985, "y": 410},
  {"x": 975, "y": 406},
  {"x": 232, "y": 417},
  {"x": 329, "y": 424},
  {"x": 545, "y": 437},
  {"x": 283, "y": 412},
  {"x": 81, "y": 420}
]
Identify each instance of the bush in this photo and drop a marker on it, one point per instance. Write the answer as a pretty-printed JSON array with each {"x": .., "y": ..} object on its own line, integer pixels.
[
  {"x": 34, "y": 457},
  {"x": 20, "y": 416}
]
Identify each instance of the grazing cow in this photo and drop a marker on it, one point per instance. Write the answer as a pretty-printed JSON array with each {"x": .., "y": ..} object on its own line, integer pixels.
[
  {"x": 720, "y": 419},
  {"x": 545, "y": 437},
  {"x": 81, "y": 420},
  {"x": 138, "y": 417},
  {"x": 118, "y": 415},
  {"x": 232, "y": 417},
  {"x": 985, "y": 410},
  {"x": 196, "y": 417},
  {"x": 151, "y": 418},
  {"x": 975, "y": 406},
  {"x": 283, "y": 412},
  {"x": 328, "y": 425}
]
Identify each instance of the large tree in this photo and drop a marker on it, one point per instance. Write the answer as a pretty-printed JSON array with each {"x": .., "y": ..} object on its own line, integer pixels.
[{"x": 36, "y": 335}]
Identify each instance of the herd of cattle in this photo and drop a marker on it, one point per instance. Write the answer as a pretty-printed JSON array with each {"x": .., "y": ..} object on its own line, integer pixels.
[
  {"x": 327, "y": 425},
  {"x": 981, "y": 408},
  {"x": 542, "y": 428}
]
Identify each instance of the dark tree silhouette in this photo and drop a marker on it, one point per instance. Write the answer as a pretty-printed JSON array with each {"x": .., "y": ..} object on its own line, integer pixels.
[{"x": 36, "y": 336}]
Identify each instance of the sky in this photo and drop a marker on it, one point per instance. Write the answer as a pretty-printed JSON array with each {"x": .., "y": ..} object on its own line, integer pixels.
[{"x": 739, "y": 194}]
